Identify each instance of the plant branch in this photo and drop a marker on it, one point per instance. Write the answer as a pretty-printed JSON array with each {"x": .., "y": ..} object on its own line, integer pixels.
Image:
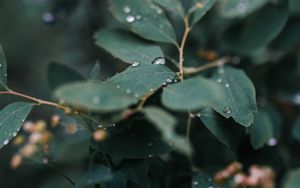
[
  {"x": 38, "y": 101},
  {"x": 187, "y": 30},
  {"x": 194, "y": 70}
]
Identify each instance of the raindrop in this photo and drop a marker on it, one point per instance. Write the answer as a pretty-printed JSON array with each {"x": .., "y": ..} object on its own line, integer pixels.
[
  {"x": 48, "y": 17},
  {"x": 0, "y": 65},
  {"x": 126, "y": 9},
  {"x": 169, "y": 80},
  {"x": 135, "y": 64},
  {"x": 226, "y": 85},
  {"x": 100, "y": 126},
  {"x": 151, "y": 89},
  {"x": 138, "y": 17},
  {"x": 5, "y": 142},
  {"x": 198, "y": 114},
  {"x": 5, "y": 75},
  {"x": 118, "y": 86},
  {"x": 159, "y": 61},
  {"x": 150, "y": 155},
  {"x": 14, "y": 134},
  {"x": 136, "y": 95},
  {"x": 159, "y": 11},
  {"x": 219, "y": 80},
  {"x": 227, "y": 110},
  {"x": 128, "y": 91},
  {"x": 195, "y": 183},
  {"x": 96, "y": 99},
  {"x": 272, "y": 142},
  {"x": 130, "y": 19},
  {"x": 192, "y": 115}
]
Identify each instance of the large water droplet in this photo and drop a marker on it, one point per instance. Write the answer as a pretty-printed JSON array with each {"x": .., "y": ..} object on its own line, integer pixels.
[
  {"x": 126, "y": 9},
  {"x": 272, "y": 142},
  {"x": 5, "y": 142},
  {"x": 227, "y": 85},
  {"x": 169, "y": 80},
  {"x": 159, "y": 61},
  {"x": 14, "y": 134},
  {"x": 135, "y": 64},
  {"x": 227, "y": 110},
  {"x": 130, "y": 19}
]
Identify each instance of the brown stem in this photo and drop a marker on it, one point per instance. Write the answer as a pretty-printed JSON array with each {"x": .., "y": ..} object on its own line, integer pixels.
[
  {"x": 194, "y": 70},
  {"x": 39, "y": 101},
  {"x": 187, "y": 29}
]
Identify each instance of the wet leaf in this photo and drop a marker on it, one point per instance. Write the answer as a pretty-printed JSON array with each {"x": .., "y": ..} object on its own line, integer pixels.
[
  {"x": 145, "y": 19},
  {"x": 200, "y": 8},
  {"x": 3, "y": 71},
  {"x": 174, "y": 6},
  {"x": 12, "y": 118},
  {"x": 95, "y": 73},
  {"x": 239, "y": 100}
]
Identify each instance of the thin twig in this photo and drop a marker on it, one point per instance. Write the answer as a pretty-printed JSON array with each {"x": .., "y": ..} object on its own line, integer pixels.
[
  {"x": 194, "y": 70},
  {"x": 187, "y": 29},
  {"x": 38, "y": 101},
  {"x": 188, "y": 127}
]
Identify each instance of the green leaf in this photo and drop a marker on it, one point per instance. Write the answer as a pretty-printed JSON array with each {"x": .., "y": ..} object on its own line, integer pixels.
[
  {"x": 12, "y": 118},
  {"x": 137, "y": 142},
  {"x": 292, "y": 179},
  {"x": 205, "y": 178},
  {"x": 239, "y": 8},
  {"x": 223, "y": 132},
  {"x": 136, "y": 171},
  {"x": 142, "y": 79},
  {"x": 191, "y": 94},
  {"x": 95, "y": 73},
  {"x": 174, "y": 6},
  {"x": 3, "y": 71},
  {"x": 59, "y": 74},
  {"x": 127, "y": 47},
  {"x": 296, "y": 129},
  {"x": 97, "y": 174},
  {"x": 294, "y": 5},
  {"x": 239, "y": 95},
  {"x": 165, "y": 123},
  {"x": 199, "y": 9},
  {"x": 258, "y": 31},
  {"x": 261, "y": 131},
  {"x": 94, "y": 96},
  {"x": 145, "y": 19}
]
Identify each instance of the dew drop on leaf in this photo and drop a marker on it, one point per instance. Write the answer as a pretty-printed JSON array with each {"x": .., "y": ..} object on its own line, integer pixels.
[
  {"x": 159, "y": 61},
  {"x": 227, "y": 110},
  {"x": 272, "y": 142},
  {"x": 227, "y": 85},
  {"x": 219, "y": 80},
  {"x": 48, "y": 18},
  {"x": 135, "y": 64},
  {"x": 128, "y": 91},
  {"x": 169, "y": 80},
  {"x": 5, "y": 142},
  {"x": 0, "y": 65},
  {"x": 126, "y": 9},
  {"x": 195, "y": 183},
  {"x": 130, "y": 19}
]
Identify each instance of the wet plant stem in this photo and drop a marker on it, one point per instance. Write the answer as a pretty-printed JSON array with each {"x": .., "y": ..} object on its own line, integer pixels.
[
  {"x": 187, "y": 30},
  {"x": 38, "y": 101}
]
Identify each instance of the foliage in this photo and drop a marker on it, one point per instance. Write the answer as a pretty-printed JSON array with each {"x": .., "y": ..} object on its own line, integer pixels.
[{"x": 203, "y": 84}]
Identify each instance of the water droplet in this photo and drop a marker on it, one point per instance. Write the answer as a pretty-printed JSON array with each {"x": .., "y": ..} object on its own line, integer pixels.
[
  {"x": 136, "y": 95},
  {"x": 221, "y": 70},
  {"x": 159, "y": 61},
  {"x": 150, "y": 155},
  {"x": 169, "y": 80},
  {"x": 100, "y": 126},
  {"x": 127, "y": 9},
  {"x": 151, "y": 89},
  {"x": 192, "y": 115},
  {"x": 5, "y": 74},
  {"x": 14, "y": 134},
  {"x": 272, "y": 142},
  {"x": 48, "y": 17},
  {"x": 5, "y": 142},
  {"x": 138, "y": 17},
  {"x": 128, "y": 91},
  {"x": 0, "y": 65},
  {"x": 227, "y": 110},
  {"x": 130, "y": 19},
  {"x": 96, "y": 99},
  {"x": 118, "y": 86},
  {"x": 159, "y": 11},
  {"x": 226, "y": 85},
  {"x": 135, "y": 64},
  {"x": 198, "y": 114},
  {"x": 219, "y": 80},
  {"x": 195, "y": 182}
]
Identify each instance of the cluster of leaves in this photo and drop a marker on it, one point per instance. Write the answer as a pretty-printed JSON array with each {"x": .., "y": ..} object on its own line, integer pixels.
[{"x": 148, "y": 108}]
